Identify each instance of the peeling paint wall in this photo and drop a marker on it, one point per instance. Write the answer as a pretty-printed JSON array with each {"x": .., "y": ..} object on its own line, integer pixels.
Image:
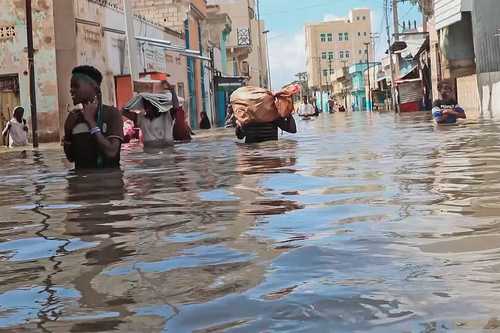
[
  {"x": 101, "y": 42},
  {"x": 83, "y": 32},
  {"x": 13, "y": 60}
]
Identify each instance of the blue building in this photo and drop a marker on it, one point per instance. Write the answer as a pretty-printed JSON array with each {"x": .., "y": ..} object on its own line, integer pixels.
[{"x": 358, "y": 92}]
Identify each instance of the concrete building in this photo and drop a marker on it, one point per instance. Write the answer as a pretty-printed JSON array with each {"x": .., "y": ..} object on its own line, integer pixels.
[
  {"x": 14, "y": 81},
  {"x": 246, "y": 46},
  {"x": 342, "y": 87},
  {"x": 465, "y": 48},
  {"x": 96, "y": 37},
  {"x": 333, "y": 45},
  {"x": 358, "y": 90},
  {"x": 219, "y": 26},
  {"x": 186, "y": 17}
]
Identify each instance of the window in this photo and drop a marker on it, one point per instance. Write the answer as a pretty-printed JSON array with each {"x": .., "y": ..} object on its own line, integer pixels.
[
  {"x": 347, "y": 54},
  {"x": 323, "y": 38},
  {"x": 360, "y": 52},
  {"x": 357, "y": 18},
  {"x": 359, "y": 34},
  {"x": 341, "y": 36},
  {"x": 180, "y": 89},
  {"x": 364, "y": 18},
  {"x": 332, "y": 71},
  {"x": 330, "y": 55},
  {"x": 346, "y": 36},
  {"x": 342, "y": 54},
  {"x": 366, "y": 51},
  {"x": 323, "y": 55},
  {"x": 325, "y": 72},
  {"x": 365, "y": 33},
  {"x": 330, "y": 37}
]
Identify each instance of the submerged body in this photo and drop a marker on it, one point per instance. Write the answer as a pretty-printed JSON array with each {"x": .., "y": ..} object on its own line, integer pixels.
[{"x": 261, "y": 132}]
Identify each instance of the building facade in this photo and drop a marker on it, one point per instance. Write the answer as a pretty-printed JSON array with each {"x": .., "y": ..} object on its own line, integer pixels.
[
  {"x": 97, "y": 38},
  {"x": 333, "y": 45},
  {"x": 358, "y": 90},
  {"x": 14, "y": 78},
  {"x": 188, "y": 18},
  {"x": 465, "y": 48},
  {"x": 246, "y": 45}
]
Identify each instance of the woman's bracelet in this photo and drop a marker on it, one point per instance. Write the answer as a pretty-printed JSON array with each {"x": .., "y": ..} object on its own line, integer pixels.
[{"x": 95, "y": 130}]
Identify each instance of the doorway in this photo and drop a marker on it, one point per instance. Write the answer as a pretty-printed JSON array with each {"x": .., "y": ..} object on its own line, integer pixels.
[{"x": 9, "y": 99}]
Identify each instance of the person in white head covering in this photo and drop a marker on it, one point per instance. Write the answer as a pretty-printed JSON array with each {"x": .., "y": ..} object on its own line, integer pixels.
[{"x": 16, "y": 129}]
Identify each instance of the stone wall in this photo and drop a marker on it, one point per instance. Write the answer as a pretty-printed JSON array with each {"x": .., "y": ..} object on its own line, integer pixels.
[
  {"x": 169, "y": 13},
  {"x": 13, "y": 60}
]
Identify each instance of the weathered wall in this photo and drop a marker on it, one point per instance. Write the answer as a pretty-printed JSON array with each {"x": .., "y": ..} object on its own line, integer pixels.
[
  {"x": 64, "y": 20},
  {"x": 485, "y": 24},
  {"x": 101, "y": 42},
  {"x": 169, "y": 13},
  {"x": 468, "y": 94},
  {"x": 13, "y": 60}
]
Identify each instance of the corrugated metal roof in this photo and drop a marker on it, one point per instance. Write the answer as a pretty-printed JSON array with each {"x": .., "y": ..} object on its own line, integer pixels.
[{"x": 448, "y": 12}]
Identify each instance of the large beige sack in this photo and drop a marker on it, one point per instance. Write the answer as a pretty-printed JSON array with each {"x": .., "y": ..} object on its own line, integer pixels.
[
  {"x": 258, "y": 105},
  {"x": 253, "y": 105},
  {"x": 284, "y": 100}
]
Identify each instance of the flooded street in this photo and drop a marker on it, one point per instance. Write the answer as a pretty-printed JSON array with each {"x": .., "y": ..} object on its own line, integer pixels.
[{"x": 360, "y": 223}]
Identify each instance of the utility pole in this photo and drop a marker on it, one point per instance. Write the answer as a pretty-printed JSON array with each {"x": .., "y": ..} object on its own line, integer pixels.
[
  {"x": 330, "y": 73},
  {"x": 368, "y": 75},
  {"x": 345, "y": 90},
  {"x": 31, "y": 67},
  {"x": 395, "y": 17},
  {"x": 269, "y": 79},
  {"x": 391, "y": 60},
  {"x": 133, "y": 51},
  {"x": 259, "y": 33},
  {"x": 320, "y": 83}
]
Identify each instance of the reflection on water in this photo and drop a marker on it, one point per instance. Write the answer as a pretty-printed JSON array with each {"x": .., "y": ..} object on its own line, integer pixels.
[{"x": 361, "y": 222}]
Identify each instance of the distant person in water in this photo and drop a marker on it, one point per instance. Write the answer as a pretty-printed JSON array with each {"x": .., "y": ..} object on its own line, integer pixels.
[
  {"x": 305, "y": 109},
  {"x": 205, "y": 122},
  {"x": 93, "y": 132},
  {"x": 16, "y": 130},
  {"x": 446, "y": 110},
  {"x": 156, "y": 127},
  {"x": 261, "y": 132}
]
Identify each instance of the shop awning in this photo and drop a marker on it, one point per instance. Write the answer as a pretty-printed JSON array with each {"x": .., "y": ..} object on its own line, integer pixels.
[
  {"x": 167, "y": 45},
  {"x": 448, "y": 12},
  {"x": 229, "y": 81}
]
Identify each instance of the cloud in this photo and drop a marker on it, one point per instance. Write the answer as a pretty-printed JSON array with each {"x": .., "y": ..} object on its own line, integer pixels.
[
  {"x": 287, "y": 56},
  {"x": 330, "y": 17}
]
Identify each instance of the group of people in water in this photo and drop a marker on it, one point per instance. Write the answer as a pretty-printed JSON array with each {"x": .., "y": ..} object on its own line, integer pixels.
[{"x": 93, "y": 132}]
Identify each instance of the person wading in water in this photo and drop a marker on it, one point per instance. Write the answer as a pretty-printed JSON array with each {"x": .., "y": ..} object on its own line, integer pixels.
[
  {"x": 261, "y": 132},
  {"x": 93, "y": 134}
]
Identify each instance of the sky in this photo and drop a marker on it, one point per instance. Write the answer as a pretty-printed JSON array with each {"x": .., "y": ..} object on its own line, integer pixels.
[{"x": 286, "y": 19}]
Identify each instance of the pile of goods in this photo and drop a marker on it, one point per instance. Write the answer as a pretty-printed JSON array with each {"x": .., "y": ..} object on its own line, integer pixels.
[{"x": 259, "y": 105}]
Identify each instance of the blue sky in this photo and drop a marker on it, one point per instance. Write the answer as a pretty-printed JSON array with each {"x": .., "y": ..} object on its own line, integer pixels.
[{"x": 286, "y": 18}]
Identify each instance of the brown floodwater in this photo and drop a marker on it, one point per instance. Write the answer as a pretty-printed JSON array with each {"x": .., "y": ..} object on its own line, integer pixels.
[{"x": 359, "y": 223}]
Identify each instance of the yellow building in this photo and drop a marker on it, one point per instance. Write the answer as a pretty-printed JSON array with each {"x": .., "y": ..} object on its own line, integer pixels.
[
  {"x": 246, "y": 45},
  {"x": 332, "y": 45}
]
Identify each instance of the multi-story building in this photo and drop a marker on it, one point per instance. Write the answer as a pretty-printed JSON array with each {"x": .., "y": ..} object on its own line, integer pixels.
[
  {"x": 334, "y": 45},
  {"x": 219, "y": 26},
  {"x": 97, "y": 38},
  {"x": 246, "y": 45},
  {"x": 465, "y": 48},
  {"x": 186, "y": 17}
]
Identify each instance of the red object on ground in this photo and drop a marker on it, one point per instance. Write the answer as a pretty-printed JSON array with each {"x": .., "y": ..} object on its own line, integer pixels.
[{"x": 410, "y": 107}]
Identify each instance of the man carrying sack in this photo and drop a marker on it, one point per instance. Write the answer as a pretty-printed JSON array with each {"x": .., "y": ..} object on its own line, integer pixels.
[{"x": 259, "y": 113}]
